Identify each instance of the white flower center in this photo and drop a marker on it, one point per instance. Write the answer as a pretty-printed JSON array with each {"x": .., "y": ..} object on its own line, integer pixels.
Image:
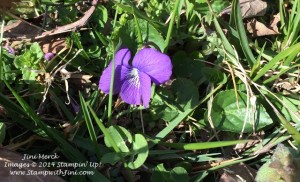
[{"x": 134, "y": 77}]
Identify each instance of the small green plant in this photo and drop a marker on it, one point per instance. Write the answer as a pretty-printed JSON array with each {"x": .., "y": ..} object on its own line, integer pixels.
[
  {"x": 284, "y": 165},
  {"x": 30, "y": 63},
  {"x": 164, "y": 90}
]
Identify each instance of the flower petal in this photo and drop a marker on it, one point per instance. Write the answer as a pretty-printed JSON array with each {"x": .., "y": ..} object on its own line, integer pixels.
[
  {"x": 156, "y": 64},
  {"x": 137, "y": 95},
  {"x": 48, "y": 56},
  {"x": 122, "y": 57},
  {"x": 120, "y": 74}
]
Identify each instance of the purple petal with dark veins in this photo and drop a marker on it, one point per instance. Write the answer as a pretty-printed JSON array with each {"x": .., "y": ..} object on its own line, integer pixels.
[
  {"x": 120, "y": 74},
  {"x": 137, "y": 95},
  {"x": 154, "y": 63}
]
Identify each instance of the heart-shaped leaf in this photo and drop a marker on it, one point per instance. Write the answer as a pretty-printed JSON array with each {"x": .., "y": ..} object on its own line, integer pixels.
[{"x": 228, "y": 116}]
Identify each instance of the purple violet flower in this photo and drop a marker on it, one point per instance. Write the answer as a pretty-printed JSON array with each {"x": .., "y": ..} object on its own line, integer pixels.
[
  {"x": 10, "y": 50},
  {"x": 48, "y": 56},
  {"x": 76, "y": 107},
  {"x": 133, "y": 82}
]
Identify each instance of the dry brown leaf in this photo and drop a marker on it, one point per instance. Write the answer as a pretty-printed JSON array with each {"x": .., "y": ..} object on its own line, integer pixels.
[
  {"x": 53, "y": 45},
  {"x": 257, "y": 28},
  {"x": 20, "y": 29},
  {"x": 249, "y": 8},
  {"x": 274, "y": 22}
]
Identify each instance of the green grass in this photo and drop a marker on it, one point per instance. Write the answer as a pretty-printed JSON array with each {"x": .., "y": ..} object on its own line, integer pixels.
[{"x": 231, "y": 100}]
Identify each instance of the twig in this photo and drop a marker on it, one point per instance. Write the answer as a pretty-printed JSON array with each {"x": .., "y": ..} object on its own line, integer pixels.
[{"x": 77, "y": 24}]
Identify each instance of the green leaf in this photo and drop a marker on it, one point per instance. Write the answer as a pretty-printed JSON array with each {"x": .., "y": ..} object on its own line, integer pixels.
[
  {"x": 227, "y": 116},
  {"x": 29, "y": 75},
  {"x": 9, "y": 75},
  {"x": 139, "y": 148},
  {"x": 179, "y": 174},
  {"x": 100, "y": 16},
  {"x": 166, "y": 106},
  {"x": 150, "y": 35},
  {"x": 120, "y": 136},
  {"x": 213, "y": 75},
  {"x": 187, "y": 67},
  {"x": 28, "y": 62},
  {"x": 283, "y": 166},
  {"x": 160, "y": 173},
  {"x": 134, "y": 10},
  {"x": 36, "y": 50},
  {"x": 108, "y": 139},
  {"x": 137, "y": 154},
  {"x": 186, "y": 92},
  {"x": 89, "y": 125},
  {"x": 129, "y": 35},
  {"x": 158, "y": 107},
  {"x": 110, "y": 158},
  {"x": 30, "y": 58},
  {"x": 2, "y": 132}
]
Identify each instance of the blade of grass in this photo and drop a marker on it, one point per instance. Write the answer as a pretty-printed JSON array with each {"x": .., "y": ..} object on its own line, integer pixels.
[
  {"x": 231, "y": 162},
  {"x": 77, "y": 41},
  {"x": 18, "y": 114},
  {"x": 201, "y": 146},
  {"x": 110, "y": 97},
  {"x": 283, "y": 19},
  {"x": 90, "y": 126},
  {"x": 286, "y": 124},
  {"x": 281, "y": 72},
  {"x": 140, "y": 37},
  {"x": 226, "y": 44},
  {"x": 106, "y": 133},
  {"x": 256, "y": 66},
  {"x": 282, "y": 55},
  {"x": 68, "y": 150},
  {"x": 293, "y": 25},
  {"x": 101, "y": 37},
  {"x": 242, "y": 33},
  {"x": 173, "y": 124},
  {"x": 290, "y": 128},
  {"x": 92, "y": 101},
  {"x": 52, "y": 133},
  {"x": 86, "y": 144},
  {"x": 62, "y": 105},
  {"x": 176, "y": 9},
  {"x": 163, "y": 133}
]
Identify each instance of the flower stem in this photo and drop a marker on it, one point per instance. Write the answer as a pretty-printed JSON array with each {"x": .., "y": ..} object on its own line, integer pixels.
[
  {"x": 111, "y": 88},
  {"x": 171, "y": 24},
  {"x": 115, "y": 18},
  {"x": 140, "y": 37}
]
